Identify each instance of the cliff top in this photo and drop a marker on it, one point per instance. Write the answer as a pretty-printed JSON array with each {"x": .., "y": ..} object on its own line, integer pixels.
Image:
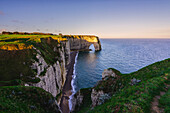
[
  {"x": 89, "y": 38},
  {"x": 9, "y": 41}
]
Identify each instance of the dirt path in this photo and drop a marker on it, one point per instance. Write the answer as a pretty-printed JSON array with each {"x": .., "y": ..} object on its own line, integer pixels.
[{"x": 155, "y": 103}]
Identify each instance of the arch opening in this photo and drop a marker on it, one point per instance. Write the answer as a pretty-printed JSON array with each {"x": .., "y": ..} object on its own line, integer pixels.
[{"x": 92, "y": 48}]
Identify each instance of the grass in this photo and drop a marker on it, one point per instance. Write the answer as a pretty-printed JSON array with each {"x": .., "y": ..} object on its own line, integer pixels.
[
  {"x": 36, "y": 38},
  {"x": 123, "y": 80},
  {"x": 17, "y": 55},
  {"x": 17, "y": 99},
  {"x": 133, "y": 98},
  {"x": 164, "y": 102}
]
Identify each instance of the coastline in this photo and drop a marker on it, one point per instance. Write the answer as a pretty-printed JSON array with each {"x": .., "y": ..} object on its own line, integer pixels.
[{"x": 67, "y": 89}]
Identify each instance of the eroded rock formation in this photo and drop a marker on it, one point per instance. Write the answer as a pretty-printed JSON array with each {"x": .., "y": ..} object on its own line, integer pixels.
[
  {"x": 83, "y": 42},
  {"x": 99, "y": 94}
]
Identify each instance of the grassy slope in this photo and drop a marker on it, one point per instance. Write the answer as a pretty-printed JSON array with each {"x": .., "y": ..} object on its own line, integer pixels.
[
  {"x": 136, "y": 98},
  {"x": 164, "y": 102},
  {"x": 14, "y": 62},
  {"x": 20, "y": 99},
  {"x": 6, "y": 39}
]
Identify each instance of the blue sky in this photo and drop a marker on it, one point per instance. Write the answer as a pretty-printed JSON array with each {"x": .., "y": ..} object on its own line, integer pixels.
[{"x": 104, "y": 18}]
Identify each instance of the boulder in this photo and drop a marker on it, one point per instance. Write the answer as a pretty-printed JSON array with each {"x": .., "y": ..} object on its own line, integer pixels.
[{"x": 108, "y": 73}]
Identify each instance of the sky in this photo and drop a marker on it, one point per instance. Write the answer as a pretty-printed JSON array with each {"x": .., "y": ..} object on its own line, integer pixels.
[{"x": 104, "y": 18}]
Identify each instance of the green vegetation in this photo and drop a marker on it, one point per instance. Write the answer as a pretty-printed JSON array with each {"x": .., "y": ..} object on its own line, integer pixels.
[
  {"x": 123, "y": 80},
  {"x": 43, "y": 73},
  {"x": 20, "y": 99},
  {"x": 134, "y": 98},
  {"x": 17, "y": 39},
  {"x": 16, "y": 65},
  {"x": 17, "y": 55},
  {"x": 16, "y": 82},
  {"x": 165, "y": 102}
]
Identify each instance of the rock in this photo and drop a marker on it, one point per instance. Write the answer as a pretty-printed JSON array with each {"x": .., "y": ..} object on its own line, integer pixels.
[
  {"x": 26, "y": 84},
  {"x": 138, "y": 81},
  {"x": 13, "y": 92},
  {"x": 20, "y": 92},
  {"x": 108, "y": 73},
  {"x": 32, "y": 107},
  {"x": 98, "y": 97},
  {"x": 76, "y": 100},
  {"x": 54, "y": 76},
  {"x": 134, "y": 81}
]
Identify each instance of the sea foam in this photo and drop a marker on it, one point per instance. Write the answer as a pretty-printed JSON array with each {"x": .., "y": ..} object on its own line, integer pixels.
[{"x": 73, "y": 84}]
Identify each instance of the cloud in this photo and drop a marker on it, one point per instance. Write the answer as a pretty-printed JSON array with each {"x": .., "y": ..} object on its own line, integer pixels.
[
  {"x": 17, "y": 21},
  {"x": 1, "y": 13}
]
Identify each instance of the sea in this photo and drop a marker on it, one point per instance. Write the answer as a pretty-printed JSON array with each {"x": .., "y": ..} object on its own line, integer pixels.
[{"x": 125, "y": 55}]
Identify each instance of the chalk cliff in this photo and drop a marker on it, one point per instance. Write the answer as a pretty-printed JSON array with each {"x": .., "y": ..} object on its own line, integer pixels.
[
  {"x": 41, "y": 64},
  {"x": 83, "y": 42},
  {"x": 40, "y": 61}
]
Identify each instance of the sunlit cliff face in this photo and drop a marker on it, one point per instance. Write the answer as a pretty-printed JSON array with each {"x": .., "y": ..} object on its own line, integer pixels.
[{"x": 91, "y": 39}]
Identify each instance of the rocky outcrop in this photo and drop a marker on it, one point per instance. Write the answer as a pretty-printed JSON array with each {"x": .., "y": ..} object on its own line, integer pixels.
[
  {"x": 100, "y": 93},
  {"x": 77, "y": 100},
  {"x": 98, "y": 97},
  {"x": 83, "y": 42},
  {"x": 108, "y": 73},
  {"x": 81, "y": 98},
  {"x": 51, "y": 77}
]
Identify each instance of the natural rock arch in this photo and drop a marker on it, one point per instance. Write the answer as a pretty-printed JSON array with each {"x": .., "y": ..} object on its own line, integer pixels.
[{"x": 83, "y": 42}]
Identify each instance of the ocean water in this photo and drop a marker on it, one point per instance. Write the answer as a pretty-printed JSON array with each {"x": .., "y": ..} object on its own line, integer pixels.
[{"x": 125, "y": 55}]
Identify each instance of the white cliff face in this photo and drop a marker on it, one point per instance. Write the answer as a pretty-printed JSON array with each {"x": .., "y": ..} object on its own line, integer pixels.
[
  {"x": 52, "y": 77},
  {"x": 98, "y": 97}
]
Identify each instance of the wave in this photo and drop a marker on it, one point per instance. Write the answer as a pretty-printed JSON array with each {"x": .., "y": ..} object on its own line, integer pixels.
[{"x": 72, "y": 84}]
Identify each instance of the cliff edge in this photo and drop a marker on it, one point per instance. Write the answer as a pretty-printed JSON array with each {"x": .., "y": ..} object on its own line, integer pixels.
[{"x": 31, "y": 60}]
